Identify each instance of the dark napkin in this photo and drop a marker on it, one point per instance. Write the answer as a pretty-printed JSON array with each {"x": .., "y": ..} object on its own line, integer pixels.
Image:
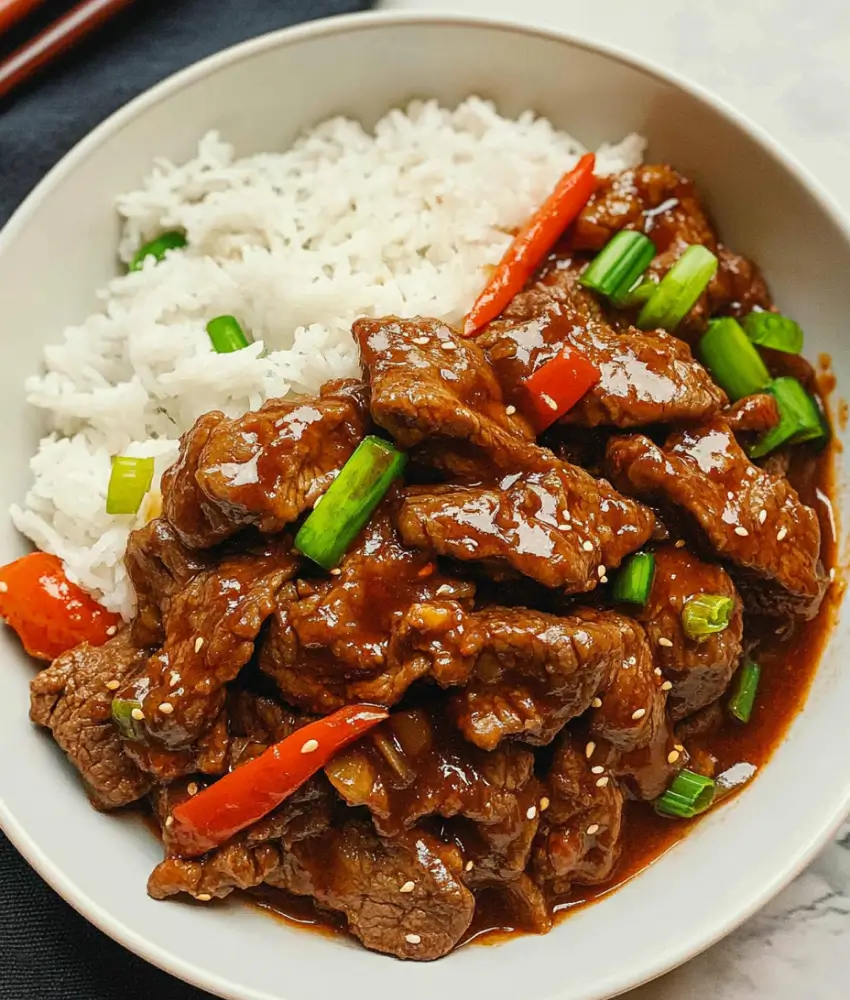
[{"x": 47, "y": 951}]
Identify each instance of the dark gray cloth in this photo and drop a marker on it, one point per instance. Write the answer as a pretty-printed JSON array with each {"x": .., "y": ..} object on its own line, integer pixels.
[{"x": 47, "y": 951}]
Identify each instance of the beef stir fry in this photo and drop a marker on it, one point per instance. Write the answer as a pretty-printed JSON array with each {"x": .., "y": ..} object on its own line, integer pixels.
[{"x": 442, "y": 638}]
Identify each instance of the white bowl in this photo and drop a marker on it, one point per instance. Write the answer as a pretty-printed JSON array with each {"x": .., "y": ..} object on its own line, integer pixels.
[{"x": 60, "y": 247}]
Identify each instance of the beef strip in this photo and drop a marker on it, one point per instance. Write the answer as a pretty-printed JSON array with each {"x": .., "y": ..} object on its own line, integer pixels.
[
  {"x": 657, "y": 200},
  {"x": 539, "y": 524},
  {"x": 645, "y": 377},
  {"x": 758, "y": 412},
  {"x": 431, "y": 385},
  {"x": 579, "y": 837},
  {"x": 353, "y": 870},
  {"x": 416, "y": 765},
  {"x": 537, "y": 671},
  {"x": 72, "y": 699},
  {"x": 752, "y": 518},
  {"x": 158, "y": 565},
  {"x": 263, "y": 469},
  {"x": 210, "y": 629},
  {"x": 387, "y": 618},
  {"x": 699, "y": 671}
]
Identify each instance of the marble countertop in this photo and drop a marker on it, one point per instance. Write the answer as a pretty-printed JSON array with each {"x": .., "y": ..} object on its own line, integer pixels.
[{"x": 785, "y": 64}]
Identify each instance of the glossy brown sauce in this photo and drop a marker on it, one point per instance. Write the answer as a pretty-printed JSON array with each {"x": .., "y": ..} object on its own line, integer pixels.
[{"x": 789, "y": 657}]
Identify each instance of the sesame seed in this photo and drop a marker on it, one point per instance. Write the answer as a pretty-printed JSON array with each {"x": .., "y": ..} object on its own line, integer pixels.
[
  {"x": 593, "y": 828},
  {"x": 3, "y": 587},
  {"x": 602, "y": 782},
  {"x": 412, "y": 938},
  {"x": 531, "y": 812},
  {"x": 672, "y": 757},
  {"x": 310, "y": 746},
  {"x": 588, "y": 750},
  {"x": 510, "y": 410},
  {"x": 600, "y": 572},
  {"x": 448, "y": 345},
  {"x": 544, "y": 804},
  {"x": 192, "y": 788},
  {"x": 832, "y": 574},
  {"x": 137, "y": 714},
  {"x": 781, "y": 534},
  {"x": 112, "y": 685},
  {"x": 657, "y": 671},
  {"x": 166, "y": 708},
  {"x": 198, "y": 643},
  {"x": 204, "y": 897},
  {"x": 762, "y": 516},
  {"x": 667, "y": 686},
  {"x": 680, "y": 544},
  {"x": 468, "y": 866},
  {"x": 587, "y": 546},
  {"x": 336, "y": 572},
  {"x": 598, "y": 769},
  {"x": 638, "y": 713},
  {"x": 741, "y": 531},
  {"x": 112, "y": 630},
  {"x": 664, "y": 641},
  {"x": 679, "y": 747},
  {"x": 603, "y": 579},
  {"x": 170, "y": 821},
  {"x": 420, "y": 341},
  {"x": 443, "y": 589},
  {"x": 596, "y": 703},
  {"x": 547, "y": 399},
  {"x": 407, "y": 887}
]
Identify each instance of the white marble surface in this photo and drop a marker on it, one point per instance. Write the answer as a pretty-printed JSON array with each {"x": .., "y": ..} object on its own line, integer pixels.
[{"x": 786, "y": 64}]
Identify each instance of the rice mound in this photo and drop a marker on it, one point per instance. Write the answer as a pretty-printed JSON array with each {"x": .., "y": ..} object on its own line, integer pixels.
[{"x": 297, "y": 245}]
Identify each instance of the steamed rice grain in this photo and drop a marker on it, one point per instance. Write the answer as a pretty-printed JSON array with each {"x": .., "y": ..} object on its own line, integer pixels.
[{"x": 297, "y": 245}]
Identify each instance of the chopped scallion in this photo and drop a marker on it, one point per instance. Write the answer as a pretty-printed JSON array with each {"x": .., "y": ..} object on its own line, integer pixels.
[
  {"x": 129, "y": 481},
  {"x": 688, "y": 795},
  {"x": 349, "y": 501},
  {"x": 744, "y": 691},
  {"x": 634, "y": 579},
  {"x": 157, "y": 248},
  {"x": 617, "y": 267},
  {"x": 638, "y": 295},
  {"x": 799, "y": 418},
  {"x": 226, "y": 334},
  {"x": 122, "y": 715},
  {"x": 706, "y": 614},
  {"x": 734, "y": 363},
  {"x": 769, "y": 329},
  {"x": 679, "y": 290}
]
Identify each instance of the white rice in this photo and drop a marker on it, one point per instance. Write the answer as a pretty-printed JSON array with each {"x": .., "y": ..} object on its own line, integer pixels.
[{"x": 296, "y": 245}]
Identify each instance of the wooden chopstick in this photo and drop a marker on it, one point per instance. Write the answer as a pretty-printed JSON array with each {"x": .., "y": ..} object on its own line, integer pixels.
[
  {"x": 12, "y": 11},
  {"x": 61, "y": 36}
]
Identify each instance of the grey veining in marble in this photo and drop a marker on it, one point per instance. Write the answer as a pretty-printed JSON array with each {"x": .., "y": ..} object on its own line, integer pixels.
[{"x": 785, "y": 64}]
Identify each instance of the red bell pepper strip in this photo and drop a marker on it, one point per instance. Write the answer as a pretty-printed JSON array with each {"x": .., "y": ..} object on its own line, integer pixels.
[
  {"x": 533, "y": 242},
  {"x": 556, "y": 387},
  {"x": 50, "y": 614},
  {"x": 247, "y": 794}
]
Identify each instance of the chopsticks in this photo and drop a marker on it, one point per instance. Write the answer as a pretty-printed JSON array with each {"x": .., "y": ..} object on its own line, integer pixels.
[{"x": 61, "y": 36}]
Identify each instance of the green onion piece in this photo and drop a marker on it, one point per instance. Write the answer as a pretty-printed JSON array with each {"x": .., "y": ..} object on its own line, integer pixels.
[
  {"x": 157, "y": 248},
  {"x": 617, "y": 267},
  {"x": 347, "y": 505},
  {"x": 679, "y": 290},
  {"x": 769, "y": 329},
  {"x": 129, "y": 480},
  {"x": 226, "y": 334},
  {"x": 744, "y": 692},
  {"x": 634, "y": 580},
  {"x": 734, "y": 363},
  {"x": 688, "y": 795},
  {"x": 706, "y": 614},
  {"x": 122, "y": 716},
  {"x": 800, "y": 418},
  {"x": 638, "y": 295}
]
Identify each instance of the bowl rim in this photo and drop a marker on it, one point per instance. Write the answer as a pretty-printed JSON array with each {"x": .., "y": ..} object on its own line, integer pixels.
[{"x": 690, "y": 944}]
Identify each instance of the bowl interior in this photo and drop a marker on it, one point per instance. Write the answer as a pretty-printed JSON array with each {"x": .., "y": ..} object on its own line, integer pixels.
[{"x": 62, "y": 247}]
